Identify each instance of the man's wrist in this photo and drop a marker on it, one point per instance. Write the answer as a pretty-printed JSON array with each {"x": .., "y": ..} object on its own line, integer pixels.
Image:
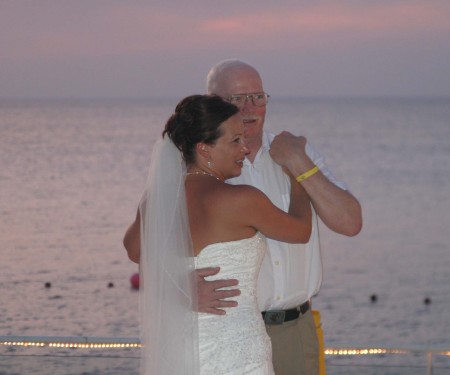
[{"x": 311, "y": 172}]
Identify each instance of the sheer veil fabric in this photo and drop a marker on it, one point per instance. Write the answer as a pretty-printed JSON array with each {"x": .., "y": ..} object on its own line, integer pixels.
[{"x": 169, "y": 329}]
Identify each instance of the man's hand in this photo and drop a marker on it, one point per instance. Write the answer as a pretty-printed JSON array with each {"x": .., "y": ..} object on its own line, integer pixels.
[{"x": 211, "y": 296}]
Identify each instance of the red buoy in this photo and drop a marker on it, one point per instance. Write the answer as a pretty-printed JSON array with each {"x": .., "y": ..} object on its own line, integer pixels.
[{"x": 134, "y": 280}]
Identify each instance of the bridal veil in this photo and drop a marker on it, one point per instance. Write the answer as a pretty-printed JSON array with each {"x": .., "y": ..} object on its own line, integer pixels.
[{"x": 169, "y": 331}]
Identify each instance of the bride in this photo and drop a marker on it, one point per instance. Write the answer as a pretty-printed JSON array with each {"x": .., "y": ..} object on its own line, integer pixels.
[{"x": 188, "y": 218}]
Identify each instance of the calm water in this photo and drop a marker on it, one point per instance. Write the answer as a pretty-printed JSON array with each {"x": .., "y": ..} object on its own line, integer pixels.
[{"x": 72, "y": 172}]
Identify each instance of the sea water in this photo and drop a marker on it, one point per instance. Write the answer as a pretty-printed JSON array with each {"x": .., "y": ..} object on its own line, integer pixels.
[{"x": 72, "y": 172}]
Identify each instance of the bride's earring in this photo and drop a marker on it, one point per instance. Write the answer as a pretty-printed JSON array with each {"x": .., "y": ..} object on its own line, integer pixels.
[{"x": 209, "y": 164}]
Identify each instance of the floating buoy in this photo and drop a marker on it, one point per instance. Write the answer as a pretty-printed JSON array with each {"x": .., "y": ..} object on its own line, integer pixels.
[
  {"x": 427, "y": 301},
  {"x": 134, "y": 280},
  {"x": 373, "y": 298},
  {"x": 48, "y": 285},
  {"x": 110, "y": 285}
]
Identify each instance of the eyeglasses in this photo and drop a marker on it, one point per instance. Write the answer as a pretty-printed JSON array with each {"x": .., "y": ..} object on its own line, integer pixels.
[{"x": 259, "y": 99}]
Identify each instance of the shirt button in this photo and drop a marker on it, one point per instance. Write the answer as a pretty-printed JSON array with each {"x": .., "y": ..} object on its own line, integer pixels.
[
  {"x": 277, "y": 263},
  {"x": 278, "y": 298}
]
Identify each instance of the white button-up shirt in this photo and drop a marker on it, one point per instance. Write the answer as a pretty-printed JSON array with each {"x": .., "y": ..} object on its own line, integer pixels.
[{"x": 291, "y": 273}]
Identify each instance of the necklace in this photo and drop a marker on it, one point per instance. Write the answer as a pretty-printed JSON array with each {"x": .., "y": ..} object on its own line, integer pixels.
[{"x": 203, "y": 173}]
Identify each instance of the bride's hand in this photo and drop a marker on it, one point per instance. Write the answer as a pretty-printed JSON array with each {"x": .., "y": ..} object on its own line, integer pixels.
[{"x": 289, "y": 151}]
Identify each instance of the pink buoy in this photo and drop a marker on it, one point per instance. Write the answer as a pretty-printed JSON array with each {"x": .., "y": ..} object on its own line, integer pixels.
[{"x": 134, "y": 280}]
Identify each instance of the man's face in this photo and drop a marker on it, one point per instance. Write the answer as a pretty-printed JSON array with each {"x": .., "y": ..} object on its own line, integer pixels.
[{"x": 244, "y": 80}]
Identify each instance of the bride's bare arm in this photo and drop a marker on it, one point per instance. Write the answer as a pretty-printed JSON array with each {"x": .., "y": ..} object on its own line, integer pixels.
[
  {"x": 300, "y": 203},
  {"x": 292, "y": 227},
  {"x": 132, "y": 239}
]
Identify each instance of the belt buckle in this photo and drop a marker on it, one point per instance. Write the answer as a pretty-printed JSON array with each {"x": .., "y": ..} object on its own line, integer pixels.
[{"x": 274, "y": 317}]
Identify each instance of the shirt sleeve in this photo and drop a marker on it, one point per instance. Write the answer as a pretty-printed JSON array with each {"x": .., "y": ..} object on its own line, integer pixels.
[{"x": 319, "y": 160}]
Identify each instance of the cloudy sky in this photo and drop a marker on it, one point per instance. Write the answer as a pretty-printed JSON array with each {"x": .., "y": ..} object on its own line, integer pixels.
[{"x": 164, "y": 48}]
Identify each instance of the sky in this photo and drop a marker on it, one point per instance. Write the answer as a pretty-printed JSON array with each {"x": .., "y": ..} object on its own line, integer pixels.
[{"x": 164, "y": 48}]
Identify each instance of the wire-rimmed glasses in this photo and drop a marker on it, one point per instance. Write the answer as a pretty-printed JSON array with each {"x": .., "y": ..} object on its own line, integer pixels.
[{"x": 259, "y": 99}]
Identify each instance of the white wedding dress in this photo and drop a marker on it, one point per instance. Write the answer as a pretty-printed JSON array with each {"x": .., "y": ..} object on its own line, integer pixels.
[{"x": 235, "y": 343}]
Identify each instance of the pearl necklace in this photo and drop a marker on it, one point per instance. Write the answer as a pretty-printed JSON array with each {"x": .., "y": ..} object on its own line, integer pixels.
[{"x": 203, "y": 173}]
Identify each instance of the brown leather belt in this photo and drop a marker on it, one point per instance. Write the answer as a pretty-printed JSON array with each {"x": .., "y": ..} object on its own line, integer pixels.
[{"x": 281, "y": 316}]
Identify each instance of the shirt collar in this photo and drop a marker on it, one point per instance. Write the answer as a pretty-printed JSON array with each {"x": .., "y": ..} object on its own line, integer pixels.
[{"x": 267, "y": 139}]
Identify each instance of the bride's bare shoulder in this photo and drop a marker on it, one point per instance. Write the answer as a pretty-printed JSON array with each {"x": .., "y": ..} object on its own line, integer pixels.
[{"x": 241, "y": 195}]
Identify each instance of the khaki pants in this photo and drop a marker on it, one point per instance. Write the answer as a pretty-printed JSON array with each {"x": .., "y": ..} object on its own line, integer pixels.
[{"x": 295, "y": 346}]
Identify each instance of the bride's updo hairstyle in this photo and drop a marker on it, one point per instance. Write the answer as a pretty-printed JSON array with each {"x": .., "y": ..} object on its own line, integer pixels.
[{"x": 197, "y": 118}]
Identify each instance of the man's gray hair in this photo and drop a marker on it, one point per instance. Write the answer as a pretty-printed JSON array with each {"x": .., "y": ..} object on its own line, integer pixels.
[{"x": 216, "y": 72}]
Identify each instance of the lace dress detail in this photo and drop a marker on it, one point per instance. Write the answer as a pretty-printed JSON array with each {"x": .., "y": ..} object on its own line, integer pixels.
[{"x": 235, "y": 343}]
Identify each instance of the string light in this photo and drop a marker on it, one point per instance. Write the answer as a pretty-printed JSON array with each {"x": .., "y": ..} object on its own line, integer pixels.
[
  {"x": 378, "y": 351},
  {"x": 73, "y": 342},
  {"x": 72, "y": 345},
  {"x": 365, "y": 351},
  {"x": 133, "y": 343}
]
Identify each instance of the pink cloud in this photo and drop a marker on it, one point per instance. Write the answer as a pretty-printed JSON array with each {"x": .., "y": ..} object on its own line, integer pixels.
[
  {"x": 376, "y": 20},
  {"x": 120, "y": 29}
]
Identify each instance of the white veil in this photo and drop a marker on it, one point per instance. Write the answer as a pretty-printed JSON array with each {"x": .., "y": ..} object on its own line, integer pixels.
[{"x": 169, "y": 331}]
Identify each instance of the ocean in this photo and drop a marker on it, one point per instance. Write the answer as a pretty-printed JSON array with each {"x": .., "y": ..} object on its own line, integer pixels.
[{"x": 72, "y": 172}]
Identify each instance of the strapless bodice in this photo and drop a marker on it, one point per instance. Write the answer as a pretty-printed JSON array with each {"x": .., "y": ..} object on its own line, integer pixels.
[{"x": 235, "y": 343}]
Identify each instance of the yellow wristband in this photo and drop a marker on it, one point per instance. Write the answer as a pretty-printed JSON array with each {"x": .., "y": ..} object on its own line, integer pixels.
[{"x": 307, "y": 174}]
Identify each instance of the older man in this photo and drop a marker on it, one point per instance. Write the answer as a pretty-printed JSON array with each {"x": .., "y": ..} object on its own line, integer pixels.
[{"x": 291, "y": 274}]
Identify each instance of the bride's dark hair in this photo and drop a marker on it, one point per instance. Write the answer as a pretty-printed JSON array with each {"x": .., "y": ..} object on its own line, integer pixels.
[{"x": 197, "y": 118}]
